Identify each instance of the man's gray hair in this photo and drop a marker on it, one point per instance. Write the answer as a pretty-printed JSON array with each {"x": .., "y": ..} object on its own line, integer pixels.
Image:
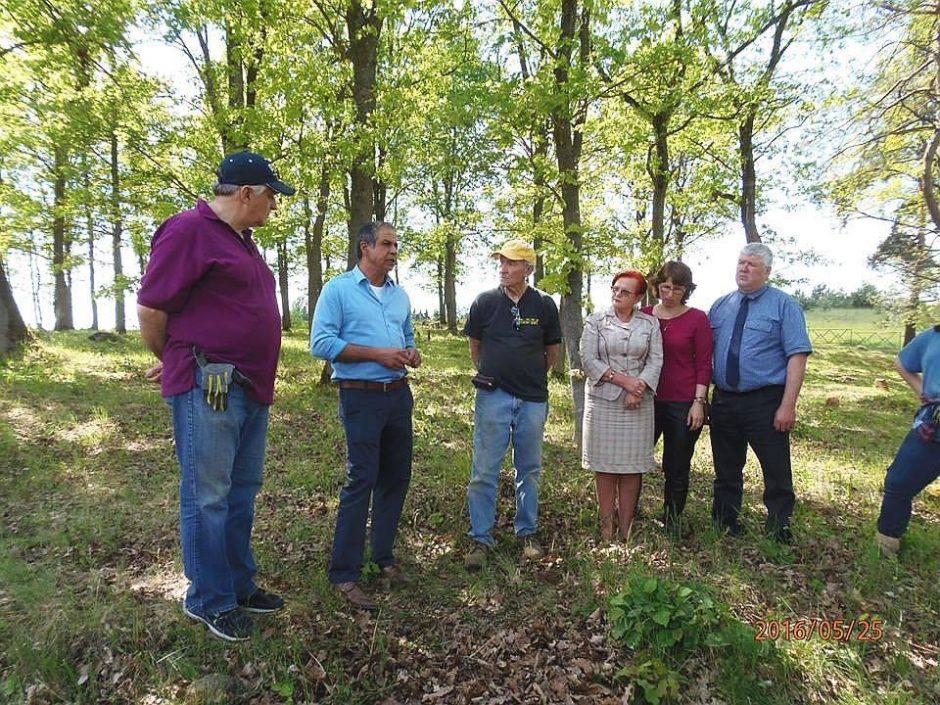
[
  {"x": 761, "y": 250},
  {"x": 229, "y": 189},
  {"x": 367, "y": 234}
]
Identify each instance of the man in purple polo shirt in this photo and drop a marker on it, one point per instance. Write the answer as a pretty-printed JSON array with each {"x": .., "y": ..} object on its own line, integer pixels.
[{"x": 208, "y": 311}]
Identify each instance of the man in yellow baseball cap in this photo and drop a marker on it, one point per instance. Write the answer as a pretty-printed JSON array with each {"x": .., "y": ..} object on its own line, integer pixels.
[
  {"x": 518, "y": 250},
  {"x": 514, "y": 334}
]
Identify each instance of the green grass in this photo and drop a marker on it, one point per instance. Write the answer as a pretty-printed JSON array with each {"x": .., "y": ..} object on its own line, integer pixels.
[
  {"x": 90, "y": 574},
  {"x": 854, "y": 318},
  {"x": 855, "y": 327}
]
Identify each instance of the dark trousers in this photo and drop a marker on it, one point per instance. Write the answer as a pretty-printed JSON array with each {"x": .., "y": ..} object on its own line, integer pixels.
[
  {"x": 916, "y": 465},
  {"x": 739, "y": 420},
  {"x": 678, "y": 446},
  {"x": 379, "y": 444}
]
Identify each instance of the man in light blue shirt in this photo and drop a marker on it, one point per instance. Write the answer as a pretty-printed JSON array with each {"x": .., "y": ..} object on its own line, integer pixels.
[
  {"x": 362, "y": 326},
  {"x": 761, "y": 347}
]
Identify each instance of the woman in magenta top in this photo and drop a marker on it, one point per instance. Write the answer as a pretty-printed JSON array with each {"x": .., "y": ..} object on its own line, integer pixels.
[{"x": 683, "y": 384}]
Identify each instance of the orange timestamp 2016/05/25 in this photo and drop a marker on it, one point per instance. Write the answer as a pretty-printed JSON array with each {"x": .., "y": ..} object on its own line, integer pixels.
[{"x": 804, "y": 629}]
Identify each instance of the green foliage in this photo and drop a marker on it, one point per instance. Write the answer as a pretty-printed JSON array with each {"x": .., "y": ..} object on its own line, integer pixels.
[
  {"x": 667, "y": 624},
  {"x": 866, "y": 296},
  {"x": 658, "y": 681},
  {"x": 671, "y": 619}
]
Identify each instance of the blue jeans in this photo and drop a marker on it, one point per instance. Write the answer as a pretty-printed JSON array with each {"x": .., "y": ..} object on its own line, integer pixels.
[
  {"x": 499, "y": 419},
  {"x": 221, "y": 456},
  {"x": 378, "y": 468},
  {"x": 915, "y": 466}
]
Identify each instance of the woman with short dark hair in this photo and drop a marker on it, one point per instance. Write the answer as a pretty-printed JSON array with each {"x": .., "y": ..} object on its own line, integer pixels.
[{"x": 680, "y": 403}]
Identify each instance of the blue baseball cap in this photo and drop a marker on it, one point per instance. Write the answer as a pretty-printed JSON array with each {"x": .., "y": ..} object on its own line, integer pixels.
[{"x": 251, "y": 169}]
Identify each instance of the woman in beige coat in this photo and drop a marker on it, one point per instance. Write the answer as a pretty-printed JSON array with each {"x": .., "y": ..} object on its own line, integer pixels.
[{"x": 622, "y": 354}]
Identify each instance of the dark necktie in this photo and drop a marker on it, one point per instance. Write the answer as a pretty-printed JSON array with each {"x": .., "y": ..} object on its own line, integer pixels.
[{"x": 733, "y": 368}]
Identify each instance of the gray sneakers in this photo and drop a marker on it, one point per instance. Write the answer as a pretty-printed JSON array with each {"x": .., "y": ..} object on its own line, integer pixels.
[
  {"x": 888, "y": 545},
  {"x": 531, "y": 548},
  {"x": 476, "y": 558}
]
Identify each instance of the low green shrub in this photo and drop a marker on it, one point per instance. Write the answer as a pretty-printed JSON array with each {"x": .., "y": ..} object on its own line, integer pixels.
[{"x": 666, "y": 624}]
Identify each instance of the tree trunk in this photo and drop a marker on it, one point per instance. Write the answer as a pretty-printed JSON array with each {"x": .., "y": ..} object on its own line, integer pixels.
[
  {"x": 659, "y": 174},
  {"x": 364, "y": 27},
  {"x": 450, "y": 281},
  {"x": 91, "y": 270},
  {"x": 234, "y": 70},
  {"x": 561, "y": 364},
  {"x": 538, "y": 206},
  {"x": 748, "y": 179},
  {"x": 90, "y": 234},
  {"x": 910, "y": 310},
  {"x": 539, "y": 152},
  {"x": 12, "y": 328},
  {"x": 441, "y": 299},
  {"x": 314, "y": 243},
  {"x": 380, "y": 189},
  {"x": 283, "y": 281},
  {"x": 235, "y": 73},
  {"x": 927, "y": 180},
  {"x": 62, "y": 294},
  {"x": 214, "y": 100},
  {"x": 917, "y": 278},
  {"x": 117, "y": 235},
  {"x": 568, "y": 135},
  {"x": 35, "y": 281}
]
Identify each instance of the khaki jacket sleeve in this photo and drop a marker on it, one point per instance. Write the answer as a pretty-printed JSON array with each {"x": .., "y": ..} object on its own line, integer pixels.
[
  {"x": 654, "y": 359},
  {"x": 595, "y": 360}
]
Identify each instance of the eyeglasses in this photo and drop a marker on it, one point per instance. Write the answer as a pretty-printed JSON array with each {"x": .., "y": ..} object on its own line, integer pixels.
[
  {"x": 669, "y": 288},
  {"x": 516, "y": 319},
  {"x": 617, "y": 291}
]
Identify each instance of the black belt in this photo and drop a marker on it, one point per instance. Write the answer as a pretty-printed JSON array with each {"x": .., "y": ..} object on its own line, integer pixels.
[
  {"x": 373, "y": 386},
  {"x": 237, "y": 377},
  {"x": 769, "y": 387}
]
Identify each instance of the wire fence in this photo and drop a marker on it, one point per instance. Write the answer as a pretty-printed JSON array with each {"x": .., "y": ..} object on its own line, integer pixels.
[
  {"x": 881, "y": 339},
  {"x": 859, "y": 338}
]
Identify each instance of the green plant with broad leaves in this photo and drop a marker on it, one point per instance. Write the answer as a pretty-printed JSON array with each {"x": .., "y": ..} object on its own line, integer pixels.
[{"x": 665, "y": 623}]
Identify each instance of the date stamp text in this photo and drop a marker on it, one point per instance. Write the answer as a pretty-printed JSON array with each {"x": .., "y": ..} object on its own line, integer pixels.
[{"x": 804, "y": 629}]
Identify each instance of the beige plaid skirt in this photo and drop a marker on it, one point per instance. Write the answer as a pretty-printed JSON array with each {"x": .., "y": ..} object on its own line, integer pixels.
[{"x": 615, "y": 439}]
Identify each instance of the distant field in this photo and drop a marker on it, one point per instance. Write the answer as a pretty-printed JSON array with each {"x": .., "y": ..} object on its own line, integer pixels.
[
  {"x": 854, "y": 318},
  {"x": 854, "y": 326}
]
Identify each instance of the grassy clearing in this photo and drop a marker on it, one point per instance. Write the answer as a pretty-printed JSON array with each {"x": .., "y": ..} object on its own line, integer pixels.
[{"x": 90, "y": 574}]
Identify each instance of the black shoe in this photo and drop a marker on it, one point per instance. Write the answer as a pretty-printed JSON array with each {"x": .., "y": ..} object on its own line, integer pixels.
[
  {"x": 783, "y": 535},
  {"x": 261, "y": 602},
  {"x": 733, "y": 529},
  {"x": 233, "y": 625},
  {"x": 674, "y": 525}
]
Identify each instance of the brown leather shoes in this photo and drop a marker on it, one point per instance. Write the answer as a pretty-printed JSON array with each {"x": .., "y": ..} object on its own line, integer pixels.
[
  {"x": 356, "y": 597},
  {"x": 393, "y": 576}
]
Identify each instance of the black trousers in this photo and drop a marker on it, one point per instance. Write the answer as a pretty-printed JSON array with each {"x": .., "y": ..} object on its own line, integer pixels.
[
  {"x": 678, "y": 446},
  {"x": 737, "y": 421}
]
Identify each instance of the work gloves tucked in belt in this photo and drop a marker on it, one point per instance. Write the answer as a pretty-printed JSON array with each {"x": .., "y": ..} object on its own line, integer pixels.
[{"x": 216, "y": 379}]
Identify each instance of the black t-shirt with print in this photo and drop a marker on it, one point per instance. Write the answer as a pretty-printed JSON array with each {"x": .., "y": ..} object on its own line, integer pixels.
[{"x": 512, "y": 348}]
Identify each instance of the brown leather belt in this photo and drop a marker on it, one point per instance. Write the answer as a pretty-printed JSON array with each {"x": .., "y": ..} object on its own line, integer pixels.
[{"x": 373, "y": 386}]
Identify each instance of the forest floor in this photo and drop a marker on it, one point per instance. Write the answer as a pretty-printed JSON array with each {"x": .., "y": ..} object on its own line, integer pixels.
[{"x": 91, "y": 578}]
